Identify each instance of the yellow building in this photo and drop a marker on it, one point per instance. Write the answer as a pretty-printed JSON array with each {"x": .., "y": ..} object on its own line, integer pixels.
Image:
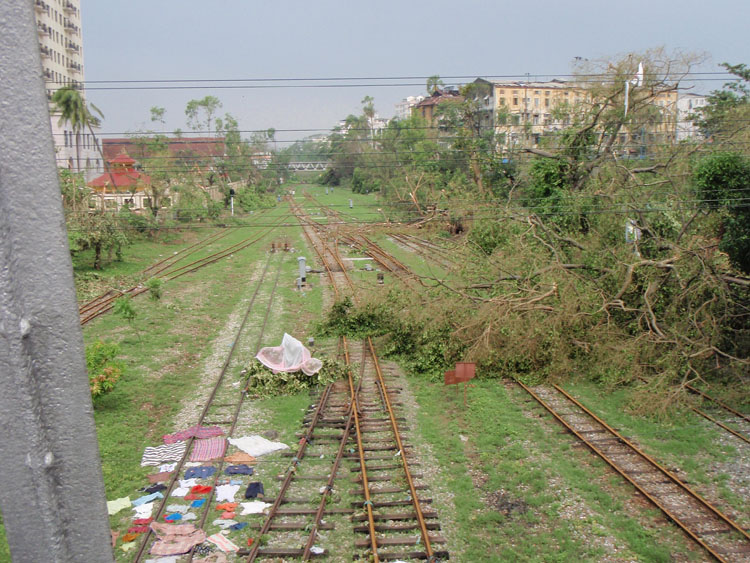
[{"x": 522, "y": 114}]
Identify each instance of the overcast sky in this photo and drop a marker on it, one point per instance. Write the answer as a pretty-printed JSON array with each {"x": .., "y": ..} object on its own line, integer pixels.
[{"x": 249, "y": 39}]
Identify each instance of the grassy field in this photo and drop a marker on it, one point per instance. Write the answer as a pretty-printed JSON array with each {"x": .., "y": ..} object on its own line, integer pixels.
[{"x": 510, "y": 485}]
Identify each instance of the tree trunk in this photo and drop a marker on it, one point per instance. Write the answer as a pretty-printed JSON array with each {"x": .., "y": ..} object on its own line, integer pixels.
[{"x": 97, "y": 256}]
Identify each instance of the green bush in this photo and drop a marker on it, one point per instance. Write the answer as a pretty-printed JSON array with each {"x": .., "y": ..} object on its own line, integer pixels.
[{"x": 103, "y": 367}]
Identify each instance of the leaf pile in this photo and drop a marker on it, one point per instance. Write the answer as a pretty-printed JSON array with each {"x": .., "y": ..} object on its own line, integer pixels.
[{"x": 262, "y": 382}]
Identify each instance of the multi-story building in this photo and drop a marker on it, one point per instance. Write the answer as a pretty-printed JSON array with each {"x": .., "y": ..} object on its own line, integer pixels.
[
  {"x": 523, "y": 113},
  {"x": 61, "y": 45},
  {"x": 404, "y": 107},
  {"x": 688, "y": 108}
]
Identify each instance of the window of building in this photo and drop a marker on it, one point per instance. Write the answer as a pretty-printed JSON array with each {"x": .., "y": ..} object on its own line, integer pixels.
[
  {"x": 536, "y": 102},
  {"x": 502, "y": 101},
  {"x": 515, "y": 101},
  {"x": 546, "y": 102},
  {"x": 536, "y": 119},
  {"x": 536, "y": 92}
]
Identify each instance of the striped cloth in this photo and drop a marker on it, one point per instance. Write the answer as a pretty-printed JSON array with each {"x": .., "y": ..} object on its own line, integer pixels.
[
  {"x": 200, "y": 432},
  {"x": 222, "y": 542},
  {"x": 206, "y": 450},
  {"x": 170, "y": 452}
]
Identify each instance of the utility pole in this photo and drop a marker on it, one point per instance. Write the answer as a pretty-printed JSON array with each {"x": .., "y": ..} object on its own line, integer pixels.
[{"x": 51, "y": 488}]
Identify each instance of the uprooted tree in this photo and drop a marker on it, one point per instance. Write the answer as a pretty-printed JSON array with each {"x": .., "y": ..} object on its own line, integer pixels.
[{"x": 602, "y": 262}]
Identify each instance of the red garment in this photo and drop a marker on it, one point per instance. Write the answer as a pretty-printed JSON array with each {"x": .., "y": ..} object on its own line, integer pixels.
[
  {"x": 200, "y": 490},
  {"x": 227, "y": 515},
  {"x": 138, "y": 529},
  {"x": 226, "y": 506},
  {"x": 191, "y": 496},
  {"x": 142, "y": 521}
]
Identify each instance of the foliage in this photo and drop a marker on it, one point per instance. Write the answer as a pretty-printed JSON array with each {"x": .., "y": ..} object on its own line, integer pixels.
[
  {"x": 200, "y": 113},
  {"x": 154, "y": 286},
  {"x": 74, "y": 111},
  {"x": 262, "y": 382},
  {"x": 487, "y": 235},
  {"x": 723, "y": 183},
  {"x": 103, "y": 366},
  {"x": 98, "y": 230},
  {"x": 123, "y": 307}
]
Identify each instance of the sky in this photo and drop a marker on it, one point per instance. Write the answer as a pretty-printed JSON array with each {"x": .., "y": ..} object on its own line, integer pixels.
[{"x": 221, "y": 40}]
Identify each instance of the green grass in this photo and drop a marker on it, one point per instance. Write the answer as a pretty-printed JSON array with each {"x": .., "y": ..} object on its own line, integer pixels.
[{"x": 534, "y": 467}]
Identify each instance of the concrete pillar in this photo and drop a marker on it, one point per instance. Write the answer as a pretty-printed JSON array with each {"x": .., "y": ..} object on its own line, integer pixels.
[{"x": 51, "y": 488}]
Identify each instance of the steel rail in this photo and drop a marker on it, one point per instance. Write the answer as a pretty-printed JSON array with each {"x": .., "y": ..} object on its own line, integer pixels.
[
  {"x": 329, "y": 485},
  {"x": 382, "y": 388},
  {"x": 722, "y": 425},
  {"x": 291, "y": 470},
  {"x": 171, "y": 275},
  {"x": 362, "y": 462},
  {"x": 105, "y": 297},
  {"x": 205, "y": 409},
  {"x": 673, "y": 479},
  {"x": 243, "y": 395},
  {"x": 407, "y": 471},
  {"x": 718, "y": 402}
]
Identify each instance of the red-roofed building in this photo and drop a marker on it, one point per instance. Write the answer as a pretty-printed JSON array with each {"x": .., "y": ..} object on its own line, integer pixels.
[
  {"x": 427, "y": 107},
  {"x": 189, "y": 149},
  {"x": 122, "y": 185}
]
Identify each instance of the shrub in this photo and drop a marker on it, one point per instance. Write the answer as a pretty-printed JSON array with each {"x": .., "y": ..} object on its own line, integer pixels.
[{"x": 103, "y": 367}]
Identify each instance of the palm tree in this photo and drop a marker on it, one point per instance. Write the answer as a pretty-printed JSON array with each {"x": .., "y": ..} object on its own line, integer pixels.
[{"x": 71, "y": 106}]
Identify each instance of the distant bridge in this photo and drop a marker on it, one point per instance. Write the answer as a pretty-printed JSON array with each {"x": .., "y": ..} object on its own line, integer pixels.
[{"x": 302, "y": 166}]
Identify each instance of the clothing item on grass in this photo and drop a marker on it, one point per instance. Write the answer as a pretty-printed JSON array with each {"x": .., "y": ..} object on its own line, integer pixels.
[
  {"x": 142, "y": 521},
  {"x": 223, "y": 524},
  {"x": 206, "y": 450},
  {"x": 222, "y": 542},
  {"x": 170, "y": 452},
  {"x": 242, "y": 469},
  {"x": 180, "y": 492},
  {"x": 167, "y": 467},
  {"x": 170, "y": 559},
  {"x": 226, "y": 492},
  {"x": 143, "y": 511},
  {"x": 114, "y": 536},
  {"x": 174, "y": 517},
  {"x": 256, "y": 445},
  {"x": 147, "y": 499},
  {"x": 254, "y": 507},
  {"x": 200, "y": 432},
  {"x": 129, "y": 537},
  {"x": 240, "y": 457},
  {"x": 238, "y": 526},
  {"x": 188, "y": 482},
  {"x": 175, "y": 539},
  {"x": 200, "y": 490},
  {"x": 138, "y": 529},
  {"x": 189, "y": 516},
  {"x": 181, "y": 508},
  {"x": 160, "y": 477},
  {"x": 226, "y": 506},
  {"x": 227, "y": 515},
  {"x": 202, "y": 472},
  {"x": 254, "y": 489},
  {"x": 155, "y": 488},
  {"x": 115, "y": 506},
  {"x": 197, "y": 503}
]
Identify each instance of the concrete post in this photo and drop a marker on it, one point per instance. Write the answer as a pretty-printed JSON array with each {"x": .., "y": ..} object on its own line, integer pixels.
[
  {"x": 302, "y": 268},
  {"x": 51, "y": 488}
]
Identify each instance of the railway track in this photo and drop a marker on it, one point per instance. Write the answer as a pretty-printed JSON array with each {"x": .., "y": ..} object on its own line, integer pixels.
[
  {"x": 168, "y": 270},
  {"x": 716, "y": 532},
  {"x": 223, "y": 406},
  {"x": 356, "y": 425}
]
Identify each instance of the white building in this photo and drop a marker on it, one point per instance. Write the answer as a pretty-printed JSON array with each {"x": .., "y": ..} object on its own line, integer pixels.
[
  {"x": 688, "y": 109},
  {"x": 404, "y": 107},
  {"x": 61, "y": 46}
]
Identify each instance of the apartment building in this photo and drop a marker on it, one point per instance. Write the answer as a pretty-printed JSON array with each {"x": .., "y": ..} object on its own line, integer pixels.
[
  {"x": 688, "y": 108},
  {"x": 523, "y": 113},
  {"x": 61, "y": 46}
]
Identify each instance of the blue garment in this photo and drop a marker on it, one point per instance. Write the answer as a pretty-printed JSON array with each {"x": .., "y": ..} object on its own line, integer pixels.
[
  {"x": 173, "y": 517},
  {"x": 197, "y": 503},
  {"x": 239, "y": 470},
  {"x": 238, "y": 526},
  {"x": 147, "y": 498},
  {"x": 254, "y": 489},
  {"x": 202, "y": 472}
]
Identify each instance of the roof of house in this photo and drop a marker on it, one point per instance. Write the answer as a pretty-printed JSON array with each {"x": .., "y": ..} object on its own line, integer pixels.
[
  {"x": 438, "y": 97},
  {"x": 120, "y": 180},
  {"x": 206, "y": 147}
]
